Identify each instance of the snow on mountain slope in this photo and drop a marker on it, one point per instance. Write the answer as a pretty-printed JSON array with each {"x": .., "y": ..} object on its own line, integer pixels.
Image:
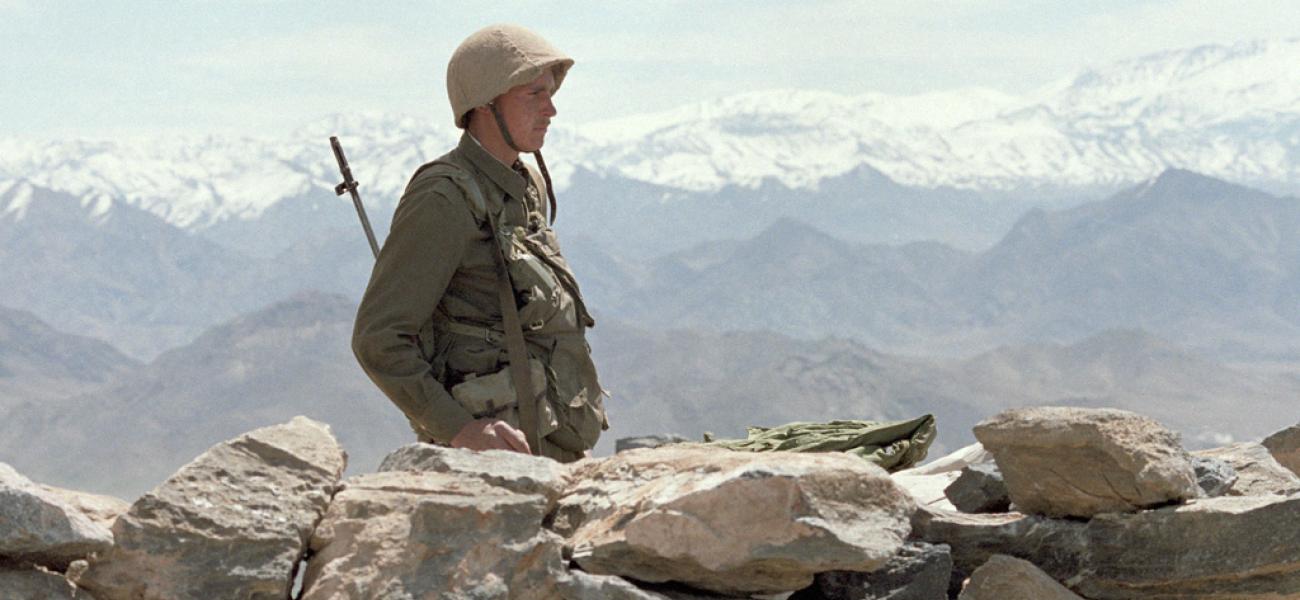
[{"x": 1231, "y": 112}]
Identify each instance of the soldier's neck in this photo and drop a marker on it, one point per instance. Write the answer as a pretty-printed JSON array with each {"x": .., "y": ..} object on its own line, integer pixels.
[{"x": 495, "y": 145}]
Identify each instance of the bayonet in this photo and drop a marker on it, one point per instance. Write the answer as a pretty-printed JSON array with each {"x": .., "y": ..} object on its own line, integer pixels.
[{"x": 350, "y": 185}]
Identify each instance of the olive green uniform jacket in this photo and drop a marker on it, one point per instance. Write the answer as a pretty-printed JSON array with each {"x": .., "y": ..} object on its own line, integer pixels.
[{"x": 431, "y": 315}]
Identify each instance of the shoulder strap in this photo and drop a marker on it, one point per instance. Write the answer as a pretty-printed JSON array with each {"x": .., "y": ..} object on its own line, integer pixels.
[
  {"x": 478, "y": 205},
  {"x": 516, "y": 348}
]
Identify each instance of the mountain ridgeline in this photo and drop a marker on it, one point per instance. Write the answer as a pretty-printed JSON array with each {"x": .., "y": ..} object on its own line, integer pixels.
[{"x": 1174, "y": 298}]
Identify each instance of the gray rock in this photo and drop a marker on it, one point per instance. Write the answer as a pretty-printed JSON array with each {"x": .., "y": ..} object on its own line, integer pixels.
[
  {"x": 39, "y": 526},
  {"x": 1065, "y": 461},
  {"x": 402, "y": 534},
  {"x": 979, "y": 489},
  {"x": 1257, "y": 471},
  {"x": 919, "y": 571},
  {"x": 578, "y": 585},
  {"x": 1009, "y": 578},
  {"x": 1285, "y": 447},
  {"x": 37, "y": 584},
  {"x": 646, "y": 441},
  {"x": 233, "y": 523},
  {"x": 1214, "y": 475},
  {"x": 731, "y": 522},
  {"x": 513, "y": 471},
  {"x": 1207, "y": 548}
]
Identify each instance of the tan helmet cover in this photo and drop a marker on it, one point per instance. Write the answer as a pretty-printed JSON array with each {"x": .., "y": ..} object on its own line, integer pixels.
[{"x": 494, "y": 59}]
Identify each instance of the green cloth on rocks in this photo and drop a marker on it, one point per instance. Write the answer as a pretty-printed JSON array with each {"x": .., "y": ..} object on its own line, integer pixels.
[{"x": 894, "y": 445}]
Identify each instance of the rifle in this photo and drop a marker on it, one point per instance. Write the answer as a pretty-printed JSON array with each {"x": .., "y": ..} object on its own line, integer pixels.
[{"x": 350, "y": 185}]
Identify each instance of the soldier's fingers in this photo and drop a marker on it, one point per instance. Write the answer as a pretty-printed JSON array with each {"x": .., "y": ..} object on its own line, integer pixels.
[{"x": 513, "y": 437}]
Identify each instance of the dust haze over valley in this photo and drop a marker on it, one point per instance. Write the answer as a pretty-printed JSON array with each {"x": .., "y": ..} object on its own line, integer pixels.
[{"x": 1128, "y": 237}]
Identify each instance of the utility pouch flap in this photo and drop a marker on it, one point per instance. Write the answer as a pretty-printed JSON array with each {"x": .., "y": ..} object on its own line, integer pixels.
[{"x": 493, "y": 396}]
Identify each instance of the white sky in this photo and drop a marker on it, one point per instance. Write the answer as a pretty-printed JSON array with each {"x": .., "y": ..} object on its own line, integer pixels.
[{"x": 268, "y": 67}]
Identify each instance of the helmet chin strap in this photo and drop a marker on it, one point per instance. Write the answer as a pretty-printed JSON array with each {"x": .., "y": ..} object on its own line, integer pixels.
[{"x": 537, "y": 154}]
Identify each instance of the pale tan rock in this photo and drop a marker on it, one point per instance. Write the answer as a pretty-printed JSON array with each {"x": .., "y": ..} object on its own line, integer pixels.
[
  {"x": 731, "y": 522},
  {"x": 1257, "y": 471},
  {"x": 513, "y": 471},
  {"x": 38, "y": 526},
  {"x": 1008, "y": 578},
  {"x": 233, "y": 523},
  {"x": 1066, "y": 461},
  {"x": 401, "y": 534},
  {"x": 1243, "y": 547},
  {"x": 1285, "y": 447},
  {"x": 98, "y": 508},
  {"x": 928, "y": 489}
]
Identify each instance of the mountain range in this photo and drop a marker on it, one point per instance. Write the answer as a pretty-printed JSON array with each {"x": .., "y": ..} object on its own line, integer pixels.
[
  {"x": 142, "y": 421},
  {"x": 1232, "y": 112}
]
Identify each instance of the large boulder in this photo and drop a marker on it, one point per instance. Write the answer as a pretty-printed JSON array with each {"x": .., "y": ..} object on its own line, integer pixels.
[
  {"x": 97, "y": 507},
  {"x": 234, "y": 523},
  {"x": 402, "y": 534},
  {"x": 731, "y": 522},
  {"x": 1227, "y": 547},
  {"x": 1258, "y": 472},
  {"x": 1009, "y": 578},
  {"x": 919, "y": 571},
  {"x": 1065, "y": 461},
  {"x": 522, "y": 473},
  {"x": 39, "y": 526},
  {"x": 1285, "y": 447}
]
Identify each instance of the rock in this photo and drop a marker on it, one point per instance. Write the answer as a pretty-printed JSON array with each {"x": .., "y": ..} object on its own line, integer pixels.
[
  {"x": 731, "y": 522},
  {"x": 38, "y": 526},
  {"x": 1065, "y": 461},
  {"x": 1213, "y": 475},
  {"x": 100, "y": 509},
  {"x": 233, "y": 523},
  {"x": 578, "y": 585},
  {"x": 979, "y": 489},
  {"x": 513, "y": 471},
  {"x": 1285, "y": 447},
  {"x": 927, "y": 490},
  {"x": 974, "y": 454},
  {"x": 919, "y": 571},
  {"x": 1009, "y": 578},
  {"x": 647, "y": 441},
  {"x": 401, "y": 534},
  {"x": 37, "y": 584},
  {"x": 1257, "y": 471},
  {"x": 1207, "y": 548}
]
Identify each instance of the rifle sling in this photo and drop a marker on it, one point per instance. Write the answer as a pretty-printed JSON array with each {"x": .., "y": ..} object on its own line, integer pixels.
[{"x": 516, "y": 349}]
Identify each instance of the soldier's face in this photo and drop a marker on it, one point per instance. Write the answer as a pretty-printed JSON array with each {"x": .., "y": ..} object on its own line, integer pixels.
[{"x": 527, "y": 110}]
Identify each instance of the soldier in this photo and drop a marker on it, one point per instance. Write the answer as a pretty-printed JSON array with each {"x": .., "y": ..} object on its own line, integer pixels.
[{"x": 469, "y": 248}]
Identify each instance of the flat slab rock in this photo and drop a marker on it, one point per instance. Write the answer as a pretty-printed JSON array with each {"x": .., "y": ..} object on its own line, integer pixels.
[
  {"x": 1258, "y": 472},
  {"x": 1226, "y": 547},
  {"x": 233, "y": 523},
  {"x": 39, "y": 525},
  {"x": 403, "y": 534},
  {"x": 1066, "y": 461},
  {"x": 521, "y": 473},
  {"x": 731, "y": 522}
]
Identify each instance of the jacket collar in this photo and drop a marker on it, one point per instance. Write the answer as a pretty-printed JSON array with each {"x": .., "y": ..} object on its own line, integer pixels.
[{"x": 496, "y": 171}]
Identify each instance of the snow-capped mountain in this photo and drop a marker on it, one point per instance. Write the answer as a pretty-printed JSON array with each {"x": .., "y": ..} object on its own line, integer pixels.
[{"x": 1232, "y": 112}]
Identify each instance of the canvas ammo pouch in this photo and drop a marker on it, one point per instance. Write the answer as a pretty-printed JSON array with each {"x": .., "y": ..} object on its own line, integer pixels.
[{"x": 493, "y": 396}]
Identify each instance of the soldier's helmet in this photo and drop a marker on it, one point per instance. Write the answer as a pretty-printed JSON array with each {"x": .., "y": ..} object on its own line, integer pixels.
[{"x": 494, "y": 59}]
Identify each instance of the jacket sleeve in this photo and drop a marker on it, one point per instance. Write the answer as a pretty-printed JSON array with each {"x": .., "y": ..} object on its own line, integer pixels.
[{"x": 430, "y": 232}]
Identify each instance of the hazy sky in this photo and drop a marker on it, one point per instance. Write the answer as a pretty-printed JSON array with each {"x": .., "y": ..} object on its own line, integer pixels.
[{"x": 268, "y": 67}]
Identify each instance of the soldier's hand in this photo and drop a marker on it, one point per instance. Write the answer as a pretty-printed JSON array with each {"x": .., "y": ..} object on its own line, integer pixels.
[{"x": 490, "y": 434}]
